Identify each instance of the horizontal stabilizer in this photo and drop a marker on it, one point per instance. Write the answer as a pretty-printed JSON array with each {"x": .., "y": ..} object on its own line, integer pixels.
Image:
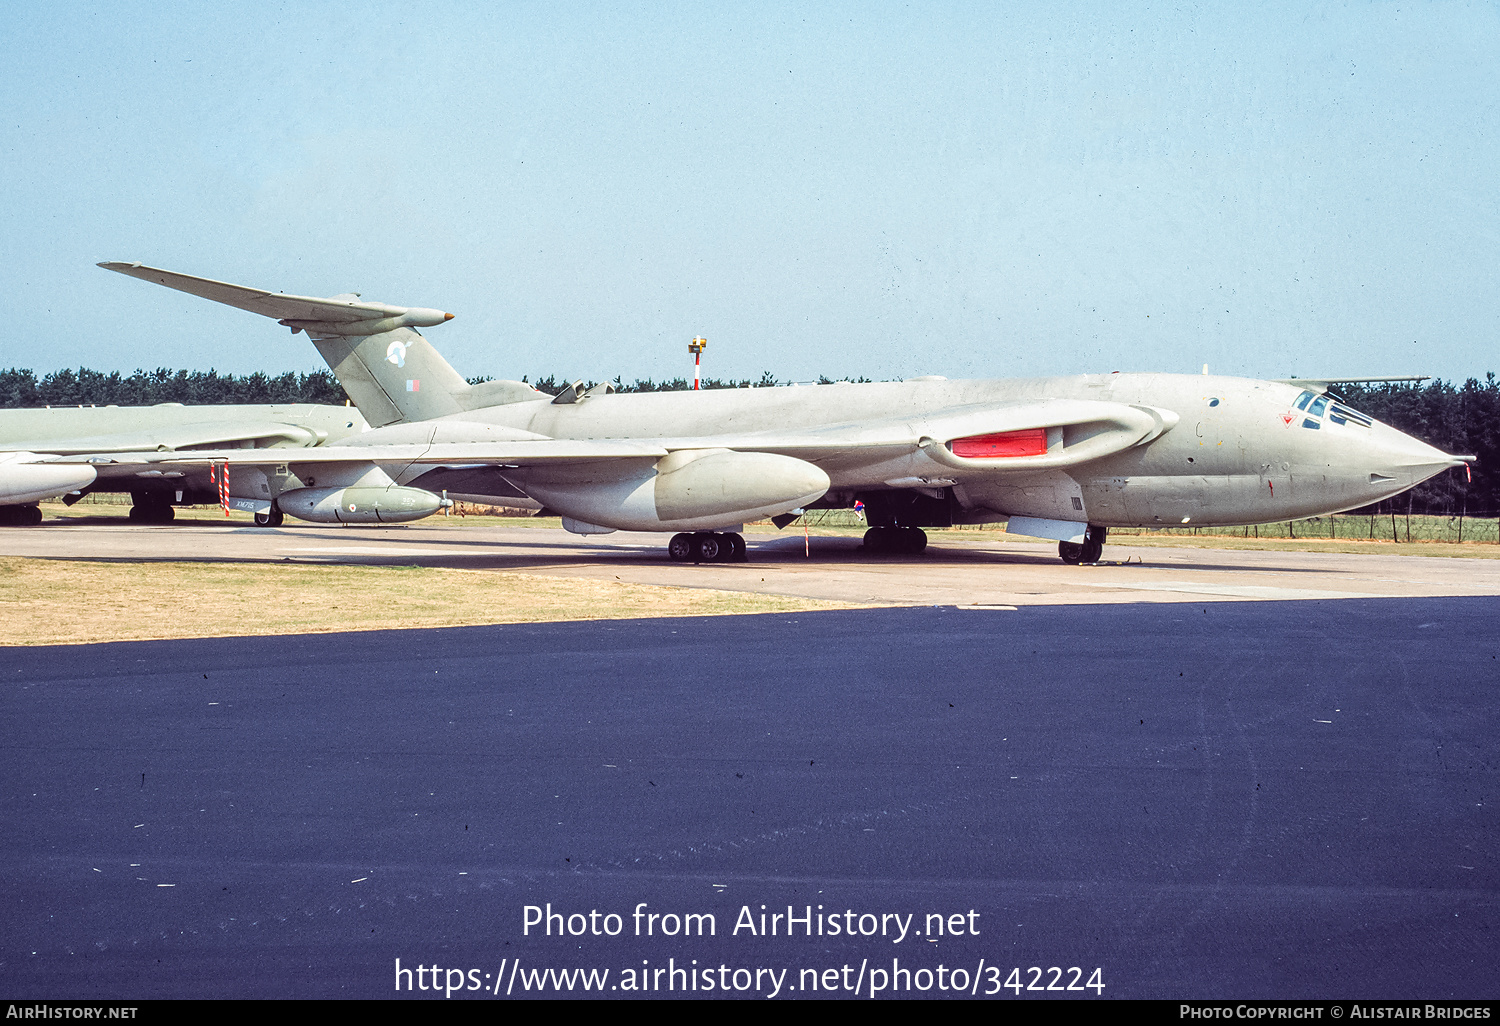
[{"x": 318, "y": 317}]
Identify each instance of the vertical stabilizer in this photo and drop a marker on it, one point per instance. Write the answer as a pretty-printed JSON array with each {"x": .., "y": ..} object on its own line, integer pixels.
[{"x": 394, "y": 376}]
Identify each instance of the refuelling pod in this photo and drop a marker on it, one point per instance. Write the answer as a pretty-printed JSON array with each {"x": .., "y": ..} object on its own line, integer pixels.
[
  {"x": 687, "y": 490},
  {"x": 23, "y": 481},
  {"x": 359, "y": 504}
]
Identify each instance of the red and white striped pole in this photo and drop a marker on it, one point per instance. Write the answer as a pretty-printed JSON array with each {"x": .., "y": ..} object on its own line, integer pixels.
[
  {"x": 222, "y": 480},
  {"x": 696, "y": 347}
]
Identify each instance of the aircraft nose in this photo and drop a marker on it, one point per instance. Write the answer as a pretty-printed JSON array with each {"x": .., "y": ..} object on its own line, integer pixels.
[{"x": 1399, "y": 461}]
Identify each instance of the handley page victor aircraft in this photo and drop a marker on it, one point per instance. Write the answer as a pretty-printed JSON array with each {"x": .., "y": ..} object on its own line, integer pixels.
[
  {"x": 97, "y": 439},
  {"x": 1062, "y": 458}
]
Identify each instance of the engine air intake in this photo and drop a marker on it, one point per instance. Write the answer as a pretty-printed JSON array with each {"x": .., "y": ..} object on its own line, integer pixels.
[{"x": 1001, "y": 445}]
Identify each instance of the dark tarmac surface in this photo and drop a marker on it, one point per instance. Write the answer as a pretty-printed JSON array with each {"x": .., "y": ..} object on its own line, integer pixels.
[{"x": 1228, "y": 799}]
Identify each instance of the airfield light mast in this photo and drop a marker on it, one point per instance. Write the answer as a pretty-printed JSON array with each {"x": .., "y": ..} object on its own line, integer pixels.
[{"x": 696, "y": 347}]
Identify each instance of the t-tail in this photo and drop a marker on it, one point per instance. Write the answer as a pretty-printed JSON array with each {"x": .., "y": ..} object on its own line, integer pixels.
[{"x": 390, "y": 371}]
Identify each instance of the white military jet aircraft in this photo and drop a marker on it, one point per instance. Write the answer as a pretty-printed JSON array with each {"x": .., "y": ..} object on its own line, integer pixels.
[
  {"x": 1063, "y": 458},
  {"x": 96, "y": 442}
]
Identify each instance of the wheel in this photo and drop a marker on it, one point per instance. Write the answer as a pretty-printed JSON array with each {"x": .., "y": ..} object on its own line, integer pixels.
[
  {"x": 33, "y": 515},
  {"x": 708, "y": 548},
  {"x": 738, "y": 553},
  {"x": 272, "y": 517},
  {"x": 1071, "y": 552},
  {"x": 1093, "y": 543},
  {"x": 914, "y": 540},
  {"x": 150, "y": 511},
  {"x": 680, "y": 548},
  {"x": 877, "y": 540}
]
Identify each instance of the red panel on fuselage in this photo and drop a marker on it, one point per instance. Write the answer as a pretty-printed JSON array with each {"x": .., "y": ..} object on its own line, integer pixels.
[{"x": 1005, "y": 444}]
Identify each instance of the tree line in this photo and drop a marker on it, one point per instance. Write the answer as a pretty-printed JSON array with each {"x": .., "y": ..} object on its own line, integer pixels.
[
  {"x": 22, "y": 389},
  {"x": 1455, "y": 418}
]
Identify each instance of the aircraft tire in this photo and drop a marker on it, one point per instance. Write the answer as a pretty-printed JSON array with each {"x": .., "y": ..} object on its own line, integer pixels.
[
  {"x": 877, "y": 540},
  {"x": 913, "y": 541},
  {"x": 1093, "y": 543},
  {"x": 1071, "y": 552},
  {"x": 273, "y": 517},
  {"x": 738, "y": 553},
  {"x": 152, "y": 511},
  {"x": 680, "y": 548},
  {"x": 709, "y": 548},
  {"x": 33, "y": 515}
]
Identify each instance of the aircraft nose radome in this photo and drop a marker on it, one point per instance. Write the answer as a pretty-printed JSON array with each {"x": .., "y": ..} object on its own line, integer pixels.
[{"x": 1406, "y": 459}]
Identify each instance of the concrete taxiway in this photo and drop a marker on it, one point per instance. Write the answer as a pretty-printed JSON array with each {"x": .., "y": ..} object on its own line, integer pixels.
[
  {"x": 1204, "y": 774},
  {"x": 1228, "y": 799},
  {"x": 984, "y": 568}
]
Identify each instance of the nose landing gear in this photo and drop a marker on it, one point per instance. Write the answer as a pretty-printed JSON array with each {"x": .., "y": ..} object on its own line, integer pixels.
[
  {"x": 1089, "y": 551},
  {"x": 707, "y": 547}
]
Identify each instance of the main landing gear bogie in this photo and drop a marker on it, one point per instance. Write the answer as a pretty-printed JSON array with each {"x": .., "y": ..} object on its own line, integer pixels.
[
  {"x": 20, "y": 516},
  {"x": 152, "y": 512},
  {"x": 903, "y": 541},
  {"x": 707, "y": 547},
  {"x": 1087, "y": 551}
]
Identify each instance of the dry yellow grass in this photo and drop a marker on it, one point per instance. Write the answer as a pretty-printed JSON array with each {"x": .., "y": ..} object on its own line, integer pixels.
[
  {"x": 1468, "y": 550},
  {"x": 51, "y": 602}
]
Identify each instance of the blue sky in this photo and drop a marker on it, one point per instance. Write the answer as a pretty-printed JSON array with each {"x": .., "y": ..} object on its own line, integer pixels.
[{"x": 976, "y": 190}]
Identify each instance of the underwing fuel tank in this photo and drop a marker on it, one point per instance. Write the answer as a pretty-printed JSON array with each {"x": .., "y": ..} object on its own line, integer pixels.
[
  {"x": 24, "y": 481},
  {"x": 359, "y": 504},
  {"x": 687, "y": 490}
]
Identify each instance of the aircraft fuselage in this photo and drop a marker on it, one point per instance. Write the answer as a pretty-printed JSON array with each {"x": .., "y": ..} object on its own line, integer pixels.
[{"x": 1239, "y": 452}]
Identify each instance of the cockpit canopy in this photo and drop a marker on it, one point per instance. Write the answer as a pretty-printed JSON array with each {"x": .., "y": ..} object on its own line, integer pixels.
[{"x": 1316, "y": 406}]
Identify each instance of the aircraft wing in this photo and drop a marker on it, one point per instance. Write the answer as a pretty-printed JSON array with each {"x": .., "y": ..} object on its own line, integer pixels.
[
  {"x": 341, "y": 315},
  {"x": 512, "y": 454},
  {"x": 1065, "y": 432},
  {"x": 1321, "y": 385},
  {"x": 171, "y": 437},
  {"x": 988, "y": 438}
]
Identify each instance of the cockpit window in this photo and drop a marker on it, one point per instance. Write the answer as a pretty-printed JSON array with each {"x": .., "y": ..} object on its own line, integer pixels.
[
  {"x": 1341, "y": 414},
  {"x": 1315, "y": 406}
]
